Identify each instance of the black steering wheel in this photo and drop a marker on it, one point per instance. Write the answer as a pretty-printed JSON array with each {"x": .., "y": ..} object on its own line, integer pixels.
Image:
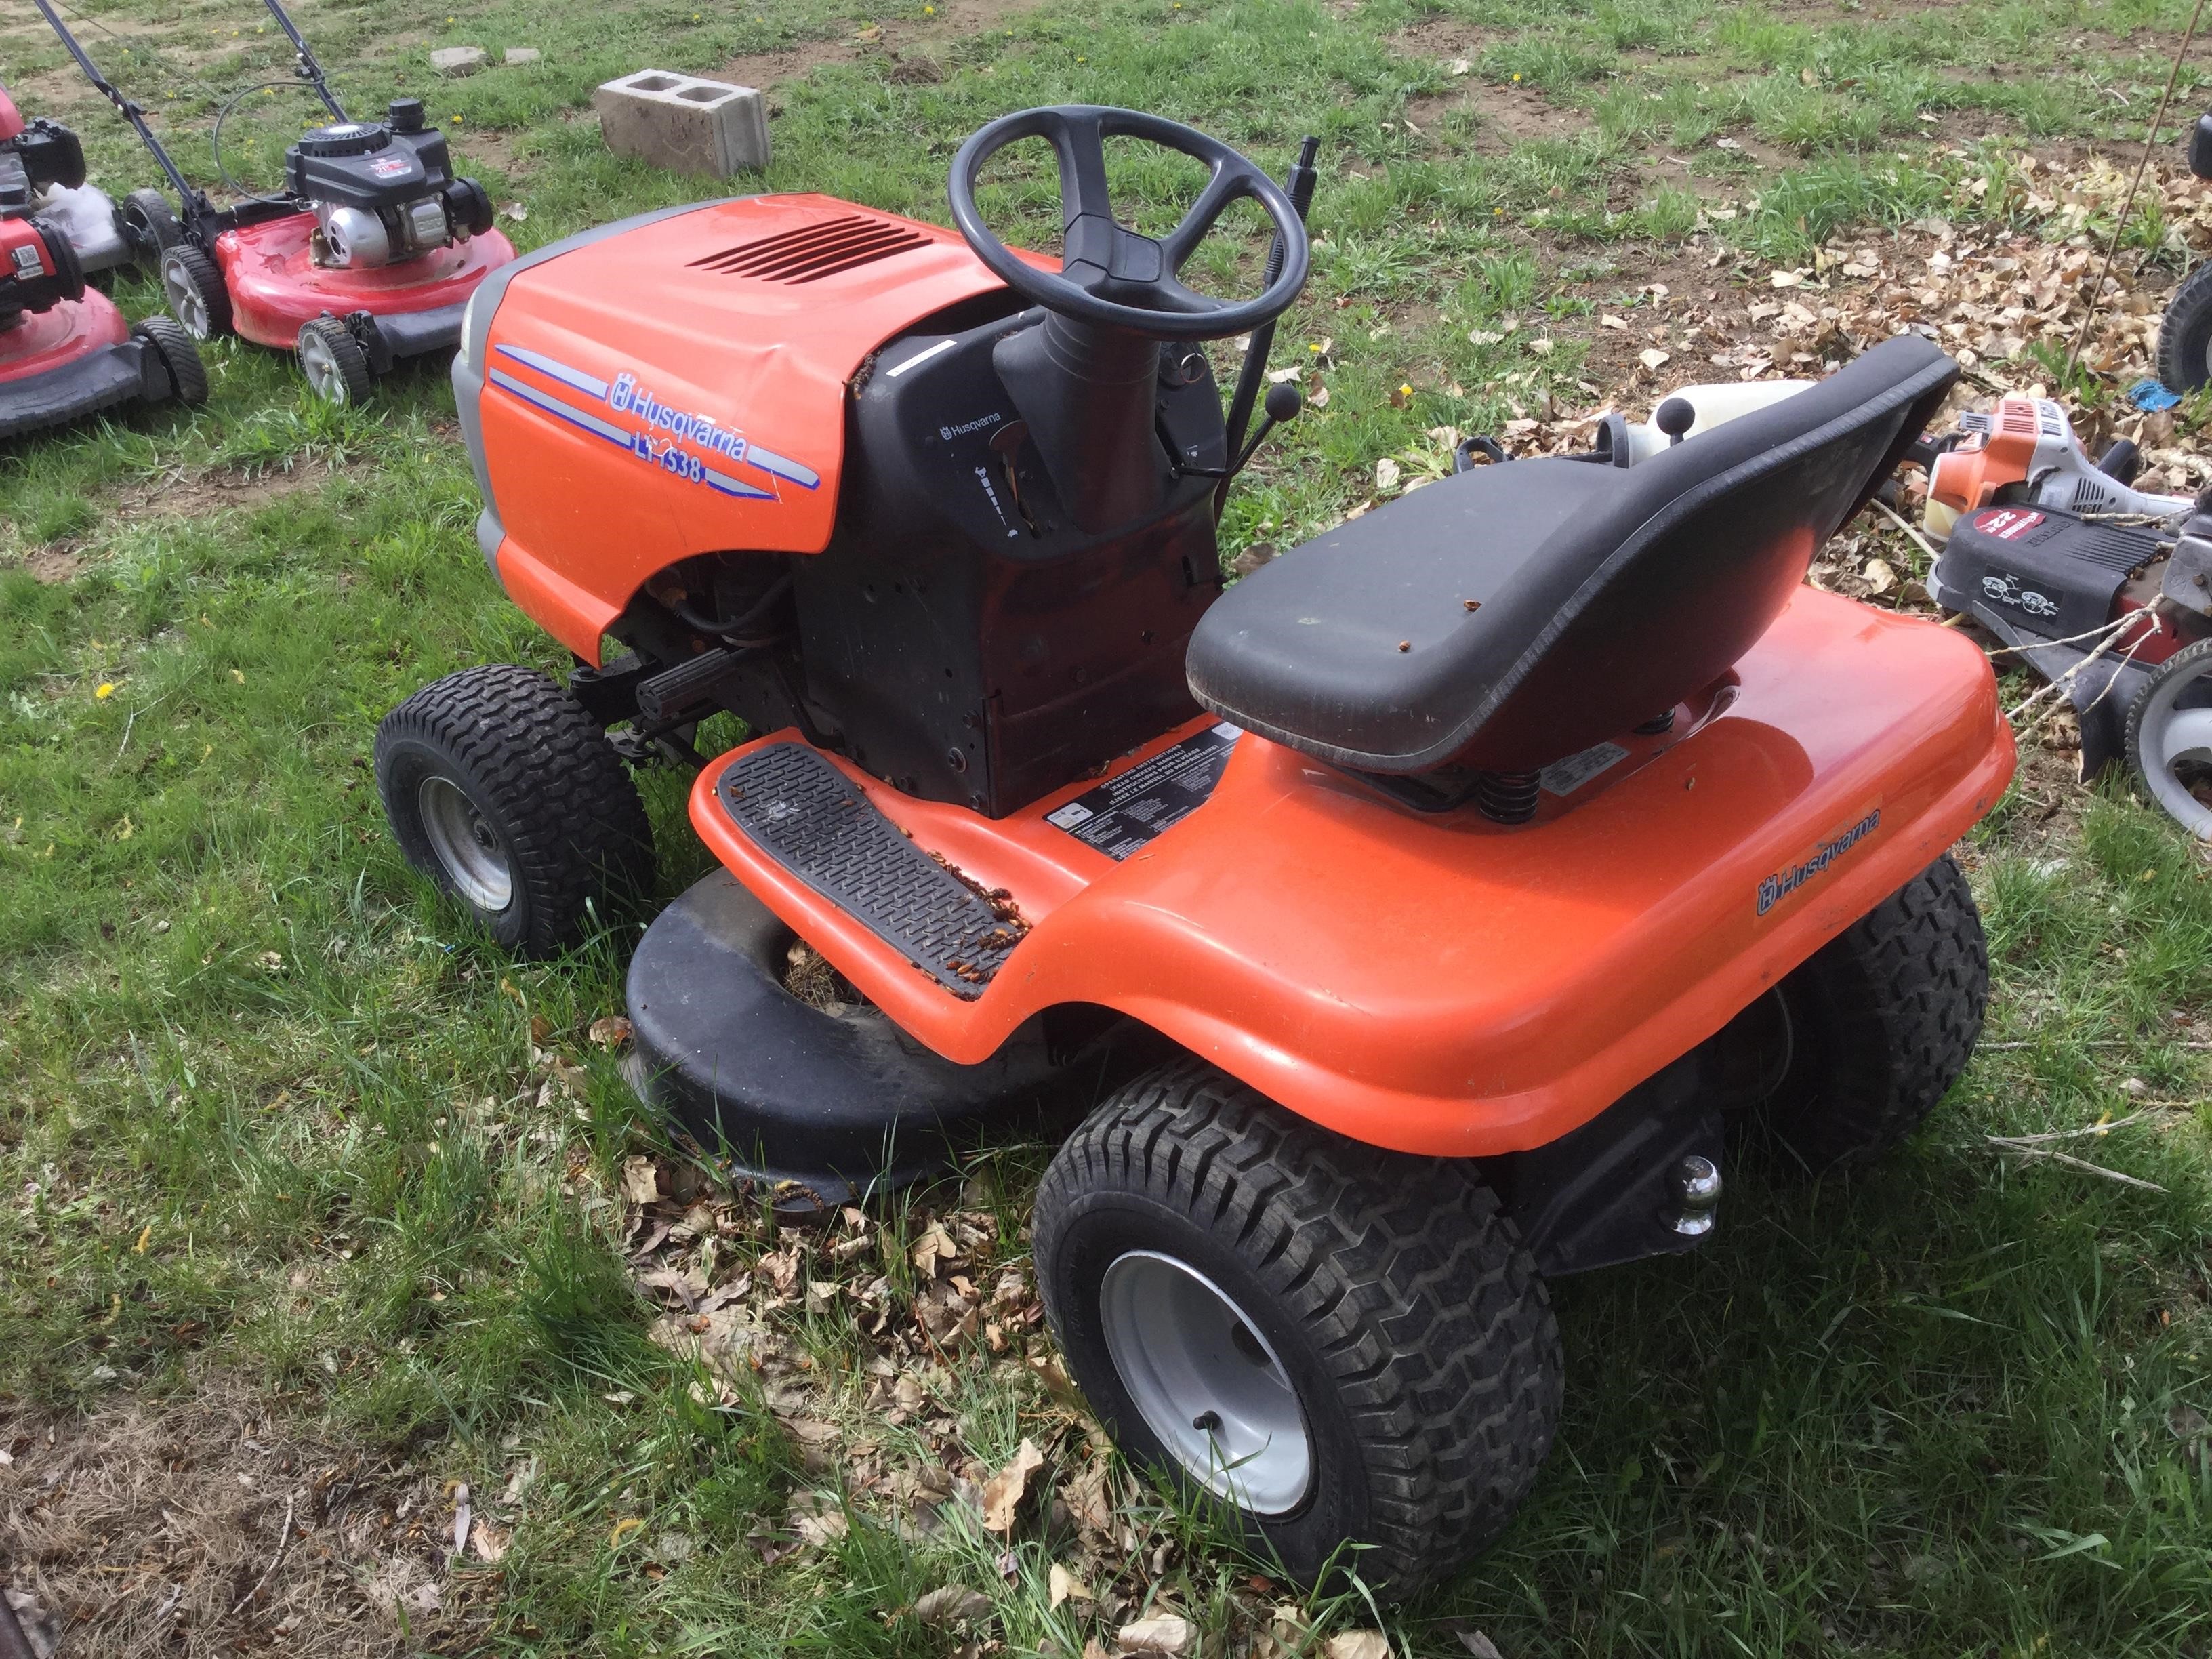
[{"x": 1109, "y": 275}]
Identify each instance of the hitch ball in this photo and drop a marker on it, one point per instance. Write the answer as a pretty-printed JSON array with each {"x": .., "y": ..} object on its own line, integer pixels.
[{"x": 1695, "y": 1184}]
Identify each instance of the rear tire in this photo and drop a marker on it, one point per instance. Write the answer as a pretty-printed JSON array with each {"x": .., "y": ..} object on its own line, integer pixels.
[
  {"x": 150, "y": 226},
  {"x": 333, "y": 361},
  {"x": 2170, "y": 737},
  {"x": 188, "y": 380},
  {"x": 1881, "y": 1021},
  {"x": 195, "y": 292},
  {"x": 2184, "y": 334},
  {"x": 1220, "y": 1273},
  {"x": 501, "y": 790}
]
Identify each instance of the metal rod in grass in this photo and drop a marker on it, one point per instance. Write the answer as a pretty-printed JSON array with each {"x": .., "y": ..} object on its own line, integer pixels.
[{"x": 2119, "y": 224}]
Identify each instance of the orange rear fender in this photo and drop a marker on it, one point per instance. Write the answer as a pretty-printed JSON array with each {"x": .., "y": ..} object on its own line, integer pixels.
[{"x": 1442, "y": 984}]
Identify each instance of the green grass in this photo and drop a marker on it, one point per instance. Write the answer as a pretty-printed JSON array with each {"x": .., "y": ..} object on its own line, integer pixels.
[{"x": 265, "y": 1105}]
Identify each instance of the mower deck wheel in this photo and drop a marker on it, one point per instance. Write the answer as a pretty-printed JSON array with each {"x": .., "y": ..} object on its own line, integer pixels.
[
  {"x": 1348, "y": 1345},
  {"x": 333, "y": 361},
  {"x": 150, "y": 226},
  {"x": 188, "y": 378},
  {"x": 501, "y": 790},
  {"x": 2184, "y": 334},
  {"x": 2170, "y": 737},
  {"x": 194, "y": 289},
  {"x": 1879, "y": 1024}
]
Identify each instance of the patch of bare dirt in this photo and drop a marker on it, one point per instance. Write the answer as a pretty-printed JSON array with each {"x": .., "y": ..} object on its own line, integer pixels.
[
  {"x": 54, "y": 565},
  {"x": 908, "y": 43},
  {"x": 1506, "y": 116},
  {"x": 205, "y": 1525},
  {"x": 1447, "y": 38},
  {"x": 196, "y": 495}
]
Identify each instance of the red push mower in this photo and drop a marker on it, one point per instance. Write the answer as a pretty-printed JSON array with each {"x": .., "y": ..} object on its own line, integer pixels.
[
  {"x": 368, "y": 256},
  {"x": 65, "y": 351},
  {"x": 1488, "y": 867}
]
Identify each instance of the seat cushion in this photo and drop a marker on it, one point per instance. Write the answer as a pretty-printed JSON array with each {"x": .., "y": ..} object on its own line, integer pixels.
[
  {"x": 1520, "y": 613},
  {"x": 1360, "y": 630}
]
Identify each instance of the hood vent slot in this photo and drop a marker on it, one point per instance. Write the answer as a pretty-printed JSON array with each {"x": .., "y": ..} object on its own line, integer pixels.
[{"x": 808, "y": 254}]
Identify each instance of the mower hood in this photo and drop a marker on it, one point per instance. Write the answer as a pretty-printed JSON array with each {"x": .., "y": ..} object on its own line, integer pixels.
[{"x": 675, "y": 384}]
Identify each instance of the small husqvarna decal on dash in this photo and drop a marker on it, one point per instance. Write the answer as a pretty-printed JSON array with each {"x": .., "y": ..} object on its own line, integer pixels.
[
  {"x": 1780, "y": 885},
  {"x": 695, "y": 447}
]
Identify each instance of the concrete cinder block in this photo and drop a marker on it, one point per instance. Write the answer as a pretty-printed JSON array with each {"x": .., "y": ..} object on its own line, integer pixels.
[
  {"x": 458, "y": 60},
  {"x": 684, "y": 123},
  {"x": 518, "y": 56}
]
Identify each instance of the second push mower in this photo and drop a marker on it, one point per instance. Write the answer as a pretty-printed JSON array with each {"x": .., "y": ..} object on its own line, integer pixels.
[
  {"x": 65, "y": 350},
  {"x": 368, "y": 256},
  {"x": 1490, "y": 866}
]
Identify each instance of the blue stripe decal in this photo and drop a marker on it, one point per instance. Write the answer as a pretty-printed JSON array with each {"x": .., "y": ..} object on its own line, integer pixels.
[
  {"x": 730, "y": 486},
  {"x": 552, "y": 405},
  {"x": 777, "y": 467},
  {"x": 587, "y": 384}
]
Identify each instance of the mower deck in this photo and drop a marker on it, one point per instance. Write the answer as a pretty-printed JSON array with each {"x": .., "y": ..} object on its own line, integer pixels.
[
  {"x": 72, "y": 360},
  {"x": 1492, "y": 988},
  {"x": 276, "y": 286}
]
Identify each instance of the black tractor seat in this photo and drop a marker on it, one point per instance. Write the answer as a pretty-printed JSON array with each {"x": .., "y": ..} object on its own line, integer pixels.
[{"x": 1514, "y": 615}]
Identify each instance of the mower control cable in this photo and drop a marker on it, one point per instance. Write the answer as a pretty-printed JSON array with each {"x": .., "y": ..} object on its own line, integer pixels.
[
  {"x": 194, "y": 201},
  {"x": 215, "y": 142},
  {"x": 1298, "y": 185},
  {"x": 308, "y": 70},
  {"x": 732, "y": 631}
]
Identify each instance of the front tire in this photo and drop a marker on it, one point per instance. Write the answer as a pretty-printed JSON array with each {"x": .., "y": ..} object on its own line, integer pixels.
[
  {"x": 505, "y": 792},
  {"x": 188, "y": 380},
  {"x": 150, "y": 226},
  {"x": 1880, "y": 1022},
  {"x": 194, "y": 289},
  {"x": 1348, "y": 1345},
  {"x": 333, "y": 361}
]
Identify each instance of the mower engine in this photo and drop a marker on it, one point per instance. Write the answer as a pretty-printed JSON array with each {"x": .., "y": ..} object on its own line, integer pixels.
[
  {"x": 38, "y": 269},
  {"x": 383, "y": 191},
  {"x": 42, "y": 173}
]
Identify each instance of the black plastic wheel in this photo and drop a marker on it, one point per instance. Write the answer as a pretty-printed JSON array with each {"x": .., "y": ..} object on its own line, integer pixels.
[
  {"x": 194, "y": 289},
  {"x": 2170, "y": 737},
  {"x": 188, "y": 380},
  {"x": 1349, "y": 1346},
  {"x": 505, "y": 792},
  {"x": 2184, "y": 334},
  {"x": 333, "y": 361},
  {"x": 150, "y": 226},
  {"x": 1879, "y": 1023}
]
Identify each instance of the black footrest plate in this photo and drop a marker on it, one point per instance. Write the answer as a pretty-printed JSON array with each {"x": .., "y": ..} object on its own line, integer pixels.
[{"x": 802, "y": 812}]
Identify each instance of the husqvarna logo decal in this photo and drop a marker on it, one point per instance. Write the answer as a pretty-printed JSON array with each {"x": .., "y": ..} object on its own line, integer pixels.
[
  {"x": 1780, "y": 885},
  {"x": 695, "y": 445}
]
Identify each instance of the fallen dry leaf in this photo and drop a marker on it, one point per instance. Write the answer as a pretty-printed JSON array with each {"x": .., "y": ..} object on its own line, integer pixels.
[
  {"x": 1167, "y": 1632},
  {"x": 942, "y": 1607},
  {"x": 1066, "y": 1586},
  {"x": 1356, "y": 1644},
  {"x": 641, "y": 1182},
  {"x": 1478, "y": 1644},
  {"x": 1003, "y": 1491},
  {"x": 609, "y": 1032}
]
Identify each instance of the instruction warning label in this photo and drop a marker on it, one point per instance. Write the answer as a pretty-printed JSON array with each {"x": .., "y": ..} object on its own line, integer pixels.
[{"x": 1124, "y": 813}]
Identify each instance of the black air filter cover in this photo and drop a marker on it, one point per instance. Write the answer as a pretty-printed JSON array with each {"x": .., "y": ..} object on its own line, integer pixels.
[{"x": 2051, "y": 573}]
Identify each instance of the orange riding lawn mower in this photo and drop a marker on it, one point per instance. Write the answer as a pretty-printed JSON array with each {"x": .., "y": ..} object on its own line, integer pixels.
[{"x": 1444, "y": 903}]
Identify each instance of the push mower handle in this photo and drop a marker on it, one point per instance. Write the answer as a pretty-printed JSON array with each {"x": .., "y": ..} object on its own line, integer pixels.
[{"x": 1111, "y": 277}]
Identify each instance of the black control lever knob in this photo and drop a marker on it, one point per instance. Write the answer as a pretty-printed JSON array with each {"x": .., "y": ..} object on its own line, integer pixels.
[
  {"x": 1674, "y": 417},
  {"x": 1285, "y": 400}
]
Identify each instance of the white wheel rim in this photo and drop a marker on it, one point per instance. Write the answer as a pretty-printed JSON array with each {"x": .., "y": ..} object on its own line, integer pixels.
[
  {"x": 467, "y": 848},
  {"x": 185, "y": 300},
  {"x": 2175, "y": 737},
  {"x": 320, "y": 365},
  {"x": 1209, "y": 1385}
]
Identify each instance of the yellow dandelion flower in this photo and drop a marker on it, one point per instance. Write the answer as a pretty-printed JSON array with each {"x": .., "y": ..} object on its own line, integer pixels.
[{"x": 104, "y": 691}]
